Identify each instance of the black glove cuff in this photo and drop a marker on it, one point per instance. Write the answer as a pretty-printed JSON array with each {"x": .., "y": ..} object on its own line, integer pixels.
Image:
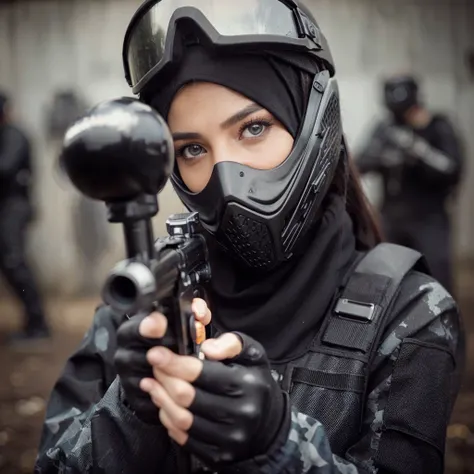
[
  {"x": 264, "y": 462},
  {"x": 281, "y": 430}
]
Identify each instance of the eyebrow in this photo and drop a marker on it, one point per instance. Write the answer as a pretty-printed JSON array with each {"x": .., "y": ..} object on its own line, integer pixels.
[
  {"x": 186, "y": 136},
  {"x": 234, "y": 119}
]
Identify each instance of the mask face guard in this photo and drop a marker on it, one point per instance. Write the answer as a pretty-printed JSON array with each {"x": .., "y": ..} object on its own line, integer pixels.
[
  {"x": 150, "y": 44},
  {"x": 277, "y": 205}
]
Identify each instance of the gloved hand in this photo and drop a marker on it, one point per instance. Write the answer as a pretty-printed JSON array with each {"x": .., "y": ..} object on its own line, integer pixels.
[
  {"x": 134, "y": 338},
  {"x": 399, "y": 146},
  {"x": 400, "y": 137},
  {"x": 222, "y": 412}
]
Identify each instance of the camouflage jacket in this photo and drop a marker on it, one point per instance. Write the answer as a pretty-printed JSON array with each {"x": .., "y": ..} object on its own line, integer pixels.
[{"x": 89, "y": 430}]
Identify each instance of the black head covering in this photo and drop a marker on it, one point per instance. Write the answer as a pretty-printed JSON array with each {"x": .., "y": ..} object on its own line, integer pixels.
[
  {"x": 262, "y": 78},
  {"x": 282, "y": 309}
]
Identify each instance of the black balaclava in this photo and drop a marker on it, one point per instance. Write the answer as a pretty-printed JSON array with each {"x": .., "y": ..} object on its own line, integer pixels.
[{"x": 284, "y": 308}]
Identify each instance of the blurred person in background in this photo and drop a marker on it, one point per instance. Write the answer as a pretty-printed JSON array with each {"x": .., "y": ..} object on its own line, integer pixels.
[
  {"x": 16, "y": 212},
  {"x": 418, "y": 156}
]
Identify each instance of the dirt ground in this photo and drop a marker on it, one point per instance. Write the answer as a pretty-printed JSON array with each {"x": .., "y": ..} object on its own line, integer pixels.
[{"x": 26, "y": 379}]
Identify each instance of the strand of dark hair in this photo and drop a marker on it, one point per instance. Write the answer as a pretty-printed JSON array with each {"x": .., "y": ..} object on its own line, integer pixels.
[{"x": 364, "y": 218}]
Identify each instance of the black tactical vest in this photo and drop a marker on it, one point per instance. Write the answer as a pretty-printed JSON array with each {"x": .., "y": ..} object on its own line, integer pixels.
[{"x": 330, "y": 382}]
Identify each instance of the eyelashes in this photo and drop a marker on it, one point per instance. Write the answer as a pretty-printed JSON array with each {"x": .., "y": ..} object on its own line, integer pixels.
[
  {"x": 253, "y": 129},
  {"x": 255, "y": 122},
  {"x": 181, "y": 152}
]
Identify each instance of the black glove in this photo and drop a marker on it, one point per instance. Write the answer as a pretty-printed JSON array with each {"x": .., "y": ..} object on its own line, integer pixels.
[
  {"x": 239, "y": 410},
  {"x": 132, "y": 367}
]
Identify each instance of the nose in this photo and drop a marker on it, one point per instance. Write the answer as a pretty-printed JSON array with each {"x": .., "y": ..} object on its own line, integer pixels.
[
  {"x": 227, "y": 151},
  {"x": 221, "y": 153}
]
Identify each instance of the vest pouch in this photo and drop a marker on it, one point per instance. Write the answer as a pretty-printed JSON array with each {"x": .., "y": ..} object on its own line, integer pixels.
[{"x": 329, "y": 389}]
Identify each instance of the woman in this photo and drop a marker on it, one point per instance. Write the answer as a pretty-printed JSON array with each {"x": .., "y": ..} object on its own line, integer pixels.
[{"x": 327, "y": 360}]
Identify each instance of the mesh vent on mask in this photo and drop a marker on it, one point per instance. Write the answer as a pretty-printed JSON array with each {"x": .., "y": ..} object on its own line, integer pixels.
[
  {"x": 332, "y": 125},
  {"x": 323, "y": 170},
  {"x": 250, "y": 240}
]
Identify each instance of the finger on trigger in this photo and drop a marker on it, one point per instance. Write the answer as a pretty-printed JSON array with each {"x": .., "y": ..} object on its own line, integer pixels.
[
  {"x": 153, "y": 326},
  {"x": 201, "y": 311},
  {"x": 226, "y": 346}
]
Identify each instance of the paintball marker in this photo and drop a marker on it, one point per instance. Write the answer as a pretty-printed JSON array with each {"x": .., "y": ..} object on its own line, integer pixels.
[{"x": 121, "y": 152}]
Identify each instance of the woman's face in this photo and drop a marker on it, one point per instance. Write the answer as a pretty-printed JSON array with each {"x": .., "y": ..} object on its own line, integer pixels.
[{"x": 211, "y": 123}]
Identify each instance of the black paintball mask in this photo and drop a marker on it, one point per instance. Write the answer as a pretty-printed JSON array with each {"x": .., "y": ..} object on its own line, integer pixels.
[
  {"x": 400, "y": 95},
  {"x": 262, "y": 217}
]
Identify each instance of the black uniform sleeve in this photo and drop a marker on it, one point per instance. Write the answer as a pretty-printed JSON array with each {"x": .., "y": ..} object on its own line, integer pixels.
[
  {"x": 445, "y": 141},
  {"x": 437, "y": 159},
  {"x": 14, "y": 146},
  {"x": 414, "y": 382},
  {"x": 416, "y": 378},
  {"x": 88, "y": 429}
]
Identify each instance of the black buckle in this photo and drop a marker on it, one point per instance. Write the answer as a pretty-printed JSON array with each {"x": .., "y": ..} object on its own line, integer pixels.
[
  {"x": 307, "y": 27},
  {"x": 355, "y": 310}
]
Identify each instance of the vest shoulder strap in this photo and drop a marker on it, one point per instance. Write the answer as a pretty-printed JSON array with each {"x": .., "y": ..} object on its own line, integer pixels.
[{"x": 360, "y": 312}]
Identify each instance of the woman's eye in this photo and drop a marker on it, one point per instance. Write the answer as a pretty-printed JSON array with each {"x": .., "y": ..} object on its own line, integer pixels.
[
  {"x": 254, "y": 130},
  {"x": 191, "y": 151}
]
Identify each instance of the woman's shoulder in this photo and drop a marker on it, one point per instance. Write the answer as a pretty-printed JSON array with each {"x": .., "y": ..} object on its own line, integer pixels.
[
  {"x": 104, "y": 318},
  {"x": 425, "y": 311},
  {"x": 427, "y": 291},
  {"x": 426, "y": 297},
  {"x": 101, "y": 337}
]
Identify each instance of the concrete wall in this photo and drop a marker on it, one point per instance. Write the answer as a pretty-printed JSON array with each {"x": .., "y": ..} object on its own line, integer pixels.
[{"x": 51, "y": 44}]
